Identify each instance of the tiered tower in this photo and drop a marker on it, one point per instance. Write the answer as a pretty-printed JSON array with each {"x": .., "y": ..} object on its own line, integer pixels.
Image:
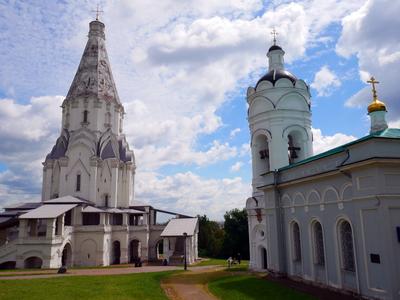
[
  {"x": 91, "y": 159},
  {"x": 279, "y": 118}
]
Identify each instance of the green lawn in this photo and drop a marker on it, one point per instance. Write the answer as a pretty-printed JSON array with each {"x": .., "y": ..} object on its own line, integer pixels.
[
  {"x": 133, "y": 286},
  {"x": 220, "y": 262},
  {"x": 249, "y": 287}
]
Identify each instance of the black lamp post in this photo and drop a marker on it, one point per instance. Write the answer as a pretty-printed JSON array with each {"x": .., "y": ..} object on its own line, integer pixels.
[{"x": 184, "y": 251}]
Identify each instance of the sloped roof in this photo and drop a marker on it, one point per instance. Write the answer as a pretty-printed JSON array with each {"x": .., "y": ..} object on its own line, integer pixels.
[
  {"x": 389, "y": 133},
  {"x": 47, "y": 211},
  {"x": 94, "y": 76},
  {"x": 65, "y": 200},
  {"x": 177, "y": 227},
  {"x": 92, "y": 209}
]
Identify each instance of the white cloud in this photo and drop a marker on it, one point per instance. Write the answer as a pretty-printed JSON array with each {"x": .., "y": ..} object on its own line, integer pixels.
[
  {"x": 191, "y": 194},
  {"x": 325, "y": 81},
  {"x": 237, "y": 166},
  {"x": 234, "y": 132},
  {"x": 371, "y": 33},
  {"x": 322, "y": 143}
]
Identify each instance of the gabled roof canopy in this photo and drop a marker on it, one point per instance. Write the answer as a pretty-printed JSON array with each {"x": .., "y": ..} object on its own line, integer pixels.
[
  {"x": 48, "y": 211},
  {"x": 177, "y": 227}
]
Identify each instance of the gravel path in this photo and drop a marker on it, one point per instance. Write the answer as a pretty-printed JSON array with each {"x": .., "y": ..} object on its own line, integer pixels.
[{"x": 190, "y": 285}]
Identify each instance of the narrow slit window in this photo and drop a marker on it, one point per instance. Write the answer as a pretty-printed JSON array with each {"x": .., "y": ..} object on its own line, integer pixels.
[{"x": 78, "y": 182}]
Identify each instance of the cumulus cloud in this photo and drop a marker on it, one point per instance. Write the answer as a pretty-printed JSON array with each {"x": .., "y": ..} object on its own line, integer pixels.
[
  {"x": 191, "y": 194},
  {"x": 371, "y": 33},
  {"x": 234, "y": 132},
  {"x": 325, "y": 81},
  {"x": 322, "y": 143},
  {"x": 237, "y": 166}
]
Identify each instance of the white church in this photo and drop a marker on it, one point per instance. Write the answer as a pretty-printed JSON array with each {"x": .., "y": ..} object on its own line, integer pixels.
[
  {"x": 88, "y": 215},
  {"x": 331, "y": 219}
]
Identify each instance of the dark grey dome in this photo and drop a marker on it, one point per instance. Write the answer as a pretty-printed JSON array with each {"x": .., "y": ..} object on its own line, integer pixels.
[
  {"x": 274, "y": 47},
  {"x": 274, "y": 75}
]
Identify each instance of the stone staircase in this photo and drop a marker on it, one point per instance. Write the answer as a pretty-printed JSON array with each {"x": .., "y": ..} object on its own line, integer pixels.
[{"x": 8, "y": 252}]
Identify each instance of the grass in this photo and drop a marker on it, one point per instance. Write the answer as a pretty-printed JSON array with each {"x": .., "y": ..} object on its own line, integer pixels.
[
  {"x": 132, "y": 286},
  {"x": 220, "y": 262},
  {"x": 249, "y": 287}
]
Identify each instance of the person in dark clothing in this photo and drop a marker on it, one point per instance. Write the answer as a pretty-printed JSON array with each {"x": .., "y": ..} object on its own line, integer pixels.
[{"x": 238, "y": 258}]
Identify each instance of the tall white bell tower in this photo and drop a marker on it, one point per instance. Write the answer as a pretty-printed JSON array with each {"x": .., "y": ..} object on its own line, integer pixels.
[{"x": 279, "y": 118}]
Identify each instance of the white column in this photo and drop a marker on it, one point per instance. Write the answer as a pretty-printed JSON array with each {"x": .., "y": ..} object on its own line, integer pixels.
[
  {"x": 63, "y": 174},
  {"x": 51, "y": 226},
  {"x": 93, "y": 180},
  {"x": 114, "y": 183},
  {"x": 47, "y": 175},
  {"x": 23, "y": 228},
  {"x": 128, "y": 184}
]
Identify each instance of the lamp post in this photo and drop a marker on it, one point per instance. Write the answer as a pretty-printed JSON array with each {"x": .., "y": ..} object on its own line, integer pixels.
[{"x": 184, "y": 251}]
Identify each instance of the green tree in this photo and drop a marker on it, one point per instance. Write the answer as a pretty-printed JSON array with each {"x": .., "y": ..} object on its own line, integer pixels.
[
  {"x": 236, "y": 234},
  {"x": 211, "y": 237}
]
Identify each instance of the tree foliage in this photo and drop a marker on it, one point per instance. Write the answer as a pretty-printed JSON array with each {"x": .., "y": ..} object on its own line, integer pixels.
[{"x": 230, "y": 239}]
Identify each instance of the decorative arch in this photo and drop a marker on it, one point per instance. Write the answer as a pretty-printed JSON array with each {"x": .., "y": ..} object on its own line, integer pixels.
[
  {"x": 260, "y": 104},
  {"x": 330, "y": 194},
  {"x": 346, "y": 192},
  {"x": 313, "y": 197},
  {"x": 251, "y": 202},
  {"x": 298, "y": 199},
  {"x": 135, "y": 252},
  {"x": 297, "y": 138},
  {"x": 283, "y": 82},
  {"x": 264, "y": 85},
  {"x": 285, "y": 97},
  {"x": 286, "y": 200},
  {"x": 258, "y": 132},
  {"x": 116, "y": 252}
]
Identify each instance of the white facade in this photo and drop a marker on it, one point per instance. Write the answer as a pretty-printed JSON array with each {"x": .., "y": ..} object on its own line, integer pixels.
[
  {"x": 88, "y": 216},
  {"x": 331, "y": 219}
]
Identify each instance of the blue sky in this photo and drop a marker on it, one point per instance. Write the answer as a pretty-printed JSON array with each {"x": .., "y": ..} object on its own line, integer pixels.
[{"x": 182, "y": 69}]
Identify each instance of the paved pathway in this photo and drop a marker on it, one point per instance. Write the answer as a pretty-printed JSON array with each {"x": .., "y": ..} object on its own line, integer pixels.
[{"x": 85, "y": 272}]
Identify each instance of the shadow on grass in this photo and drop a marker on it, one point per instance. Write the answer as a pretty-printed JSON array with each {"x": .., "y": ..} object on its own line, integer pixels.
[{"x": 250, "y": 287}]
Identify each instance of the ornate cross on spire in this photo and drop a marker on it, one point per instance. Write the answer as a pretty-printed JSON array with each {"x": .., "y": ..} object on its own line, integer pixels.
[
  {"x": 98, "y": 11},
  {"x": 373, "y": 81},
  {"x": 274, "y": 34}
]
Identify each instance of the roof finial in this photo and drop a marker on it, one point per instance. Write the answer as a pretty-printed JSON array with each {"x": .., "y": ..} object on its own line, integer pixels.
[
  {"x": 274, "y": 34},
  {"x": 98, "y": 11},
  {"x": 373, "y": 81},
  {"x": 375, "y": 105}
]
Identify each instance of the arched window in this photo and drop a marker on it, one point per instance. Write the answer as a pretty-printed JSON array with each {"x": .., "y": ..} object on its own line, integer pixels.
[
  {"x": 260, "y": 155},
  {"x": 319, "y": 256},
  {"x": 78, "y": 182},
  {"x": 347, "y": 247},
  {"x": 296, "y": 242},
  {"x": 85, "y": 116}
]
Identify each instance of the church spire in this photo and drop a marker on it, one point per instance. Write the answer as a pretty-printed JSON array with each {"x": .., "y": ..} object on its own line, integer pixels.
[
  {"x": 275, "y": 54},
  {"x": 94, "y": 77}
]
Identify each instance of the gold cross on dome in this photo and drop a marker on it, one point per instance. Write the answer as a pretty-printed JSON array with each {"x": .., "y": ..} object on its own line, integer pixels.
[
  {"x": 98, "y": 11},
  {"x": 373, "y": 81},
  {"x": 274, "y": 34}
]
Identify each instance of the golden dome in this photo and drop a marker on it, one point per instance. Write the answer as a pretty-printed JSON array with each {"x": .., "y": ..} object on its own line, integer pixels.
[{"x": 375, "y": 105}]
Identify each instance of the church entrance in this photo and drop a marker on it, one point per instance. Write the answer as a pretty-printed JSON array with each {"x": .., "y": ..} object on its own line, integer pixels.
[
  {"x": 66, "y": 256},
  {"x": 134, "y": 251},
  {"x": 116, "y": 253},
  {"x": 264, "y": 261},
  {"x": 33, "y": 262}
]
